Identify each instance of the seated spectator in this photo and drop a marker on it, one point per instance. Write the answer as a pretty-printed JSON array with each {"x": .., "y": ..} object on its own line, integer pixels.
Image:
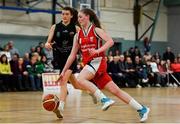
[
  {"x": 35, "y": 69},
  {"x": 23, "y": 75},
  {"x": 157, "y": 55},
  {"x": 26, "y": 59},
  {"x": 141, "y": 70},
  {"x": 114, "y": 71},
  {"x": 14, "y": 70},
  {"x": 48, "y": 67},
  {"x": 154, "y": 75},
  {"x": 137, "y": 52},
  {"x": 132, "y": 78},
  {"x": 5, "y": 73},
  {"x": 169, "y": 55},
  {"x": 122, "y": 69},
  {"x": 163, "y": 72},
  {"x": 176, "y": 70},
  {"x": 110, "y": 56}
]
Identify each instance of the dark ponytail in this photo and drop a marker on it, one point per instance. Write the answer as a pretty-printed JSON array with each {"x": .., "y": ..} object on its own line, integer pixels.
[
  {"x": 74, "y": 13},
  {"x": 92, "y": 17}
]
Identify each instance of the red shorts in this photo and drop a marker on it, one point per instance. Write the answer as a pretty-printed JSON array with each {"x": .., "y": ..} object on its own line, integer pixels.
[{"x": 98, "y": 67}]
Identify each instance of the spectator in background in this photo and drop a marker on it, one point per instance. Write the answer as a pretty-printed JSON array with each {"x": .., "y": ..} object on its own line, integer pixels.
[
  {"x": 32, "y": 50},
  {"x": 110, "y": 56},
  {"x": 6, "y": 48},
  {"x": 114, "y": 70},
  {"x": 141, "y": 70},
  {"x": 42, "y": 46},
  {"x": 169, "y": 55},
  {"x": 35, "y": 70},
  {"x": 147, "y": 44},
  {"x": 26, "y": 59},
  {"x": 23, "y": 75},
  {"x": 39, "y": 50},
  {"x": 137, "y": 52},
  {"x": 131, "y": 76},
  {"x": 117, "y": 53},
  {"x": 155, "y": 75},
  {"x": 5, "y": 72},
  {"x": 14, "y": 70},
  {"x": 12, "y": 49},
  {"x": 157, "y": 55},
  {"x": 161, "y": 64},
  {"x": 122, "y": 69},
  {"x": 48, "y": 67}
]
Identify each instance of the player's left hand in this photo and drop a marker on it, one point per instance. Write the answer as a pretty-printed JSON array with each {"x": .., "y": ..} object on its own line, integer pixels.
[{"x": 93, "y": 52}]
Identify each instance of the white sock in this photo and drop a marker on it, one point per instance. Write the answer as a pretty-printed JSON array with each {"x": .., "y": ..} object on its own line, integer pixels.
[
  {"x": 61, "y": 105},
  {"x": 99, "y": 95},
  {"x": 135, "y": 104}
]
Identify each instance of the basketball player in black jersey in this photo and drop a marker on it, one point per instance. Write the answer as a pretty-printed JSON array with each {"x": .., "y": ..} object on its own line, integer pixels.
[{"x": 60, "y": 40}]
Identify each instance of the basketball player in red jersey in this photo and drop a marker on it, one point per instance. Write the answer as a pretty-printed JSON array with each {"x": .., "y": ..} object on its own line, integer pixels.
[
  {"x": 89, "y": 41},
  {"x": 60, "y": 40}
]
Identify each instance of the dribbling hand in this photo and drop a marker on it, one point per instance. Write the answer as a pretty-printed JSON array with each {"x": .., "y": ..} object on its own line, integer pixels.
[
  {"x": 48, "y": 45},
  {"x": 60, "y": 79}
]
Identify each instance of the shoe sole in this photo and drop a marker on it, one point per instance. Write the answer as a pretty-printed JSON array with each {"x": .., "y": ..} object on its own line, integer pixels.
[
  {"x": 108, "y": 106},
  {"x": 146, "y": 117}
]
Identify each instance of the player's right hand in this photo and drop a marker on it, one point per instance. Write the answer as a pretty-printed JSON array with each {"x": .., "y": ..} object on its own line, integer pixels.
[
  {"x": 60, "y": 79},
  {"x": 48, "y": 45}
]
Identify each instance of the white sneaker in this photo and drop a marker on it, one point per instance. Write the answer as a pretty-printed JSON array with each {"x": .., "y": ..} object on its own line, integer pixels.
[
  {"x": 143, "y": 113},
  {"x": 175, "y": 85},
  {"x": 58, "y": 113},
  {"x": 138, "y": 86},
  {"x": 145, "y": 80},
  {"x": 107, "y": 102}
]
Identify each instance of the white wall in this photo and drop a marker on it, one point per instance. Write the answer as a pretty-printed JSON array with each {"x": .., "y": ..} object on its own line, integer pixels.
[{"x": 116, "y": 16}]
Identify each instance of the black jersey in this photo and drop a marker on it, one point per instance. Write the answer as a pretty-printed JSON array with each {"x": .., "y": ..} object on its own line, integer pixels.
[{"x": 63, "y": 37}]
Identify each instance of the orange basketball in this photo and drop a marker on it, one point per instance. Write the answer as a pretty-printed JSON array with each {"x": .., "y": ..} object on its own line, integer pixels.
[{"x": 50, "y": 102}]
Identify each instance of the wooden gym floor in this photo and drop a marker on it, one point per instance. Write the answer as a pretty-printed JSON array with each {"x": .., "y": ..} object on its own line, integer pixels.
[{"x": 25, "y": 107}]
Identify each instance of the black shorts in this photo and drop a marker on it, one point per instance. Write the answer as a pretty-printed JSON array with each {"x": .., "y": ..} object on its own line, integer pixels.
[{"x": 60, "y": 61}]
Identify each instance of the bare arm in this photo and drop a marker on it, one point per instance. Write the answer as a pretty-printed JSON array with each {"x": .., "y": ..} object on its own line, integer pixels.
[
  {"x": 108, "y": 42},
  {"x": 49, "y": 43},
  {"x": 72, "y": 55}
]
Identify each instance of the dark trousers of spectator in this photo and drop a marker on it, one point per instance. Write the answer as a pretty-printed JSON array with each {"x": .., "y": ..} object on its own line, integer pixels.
[
  {"x": 8, "y": 82},
  {"x": 22, "y": 82},
  {"x": 132, "y": 79},
  {"x": 36, "y": 83},
  {"x": 120, "y": 80}
]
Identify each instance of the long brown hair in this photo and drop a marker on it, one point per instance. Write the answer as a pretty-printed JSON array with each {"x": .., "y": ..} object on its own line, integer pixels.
[
  {"x": 92, "y": 17},
  {"x": 73, "y": 12}
]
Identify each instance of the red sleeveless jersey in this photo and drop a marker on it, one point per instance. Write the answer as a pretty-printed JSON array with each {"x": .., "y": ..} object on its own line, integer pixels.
[{"x": 88, "y": 41}]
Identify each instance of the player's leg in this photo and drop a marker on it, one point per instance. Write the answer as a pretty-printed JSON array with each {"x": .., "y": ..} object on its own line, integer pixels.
[
  {"x": 77, "y": 85},
  {"x": 63, "y": 94},
  {"x": 114, "y": 89},
  {"x": 84, "y": 77}
]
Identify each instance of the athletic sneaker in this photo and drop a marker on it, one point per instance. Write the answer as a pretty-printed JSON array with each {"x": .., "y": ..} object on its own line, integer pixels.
[
  {"x": 107, "y": 102},
  {"x": 58, "y": 113},
  {"x": 93, "y": 98},
  {"x": 143, "y": 113}
]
